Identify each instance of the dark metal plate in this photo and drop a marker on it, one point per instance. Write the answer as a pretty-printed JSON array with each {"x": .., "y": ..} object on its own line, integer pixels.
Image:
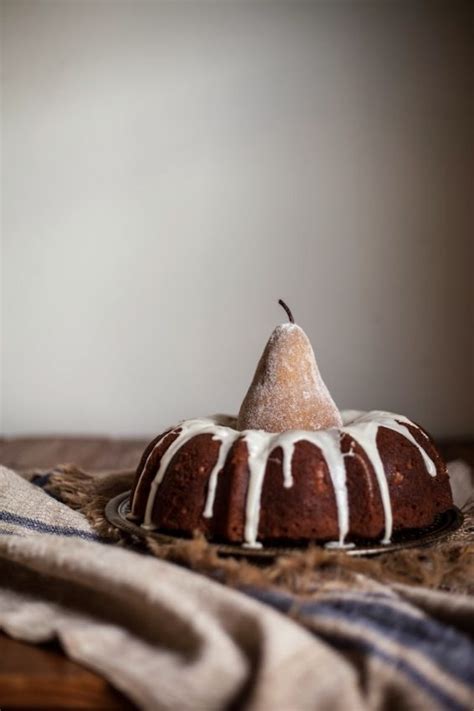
[{"x": 118, "y": 508}]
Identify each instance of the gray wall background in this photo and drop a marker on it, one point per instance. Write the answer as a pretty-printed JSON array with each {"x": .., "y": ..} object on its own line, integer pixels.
[{"x": 170, "y": 169}]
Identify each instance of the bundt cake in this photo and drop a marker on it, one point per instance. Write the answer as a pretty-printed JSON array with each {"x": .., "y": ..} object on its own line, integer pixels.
[{"x": 291, "y": 467}]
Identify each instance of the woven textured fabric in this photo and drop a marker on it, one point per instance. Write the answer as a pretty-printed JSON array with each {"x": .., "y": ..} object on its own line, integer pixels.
[{"x": 310, "y": 634}]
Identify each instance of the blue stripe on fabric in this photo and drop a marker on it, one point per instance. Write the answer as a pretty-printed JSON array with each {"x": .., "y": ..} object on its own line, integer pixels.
[
  {"x": 424, "y": 634},
  {"x": 282, "y": 602},
  {"x": 457, "y": 649},
  {"x": 363, "y": 646},
  {"x": 421, "y": 633},
  {"x": 42, "y": 527}
]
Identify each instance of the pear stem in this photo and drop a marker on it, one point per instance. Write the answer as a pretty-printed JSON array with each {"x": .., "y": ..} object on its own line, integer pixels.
[{"x": 287, "y": 309}]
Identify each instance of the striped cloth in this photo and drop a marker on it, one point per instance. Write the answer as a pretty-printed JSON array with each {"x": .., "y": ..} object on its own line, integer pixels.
[
  {"x": 386, "y": 634},
  {"x": 25, "y": 510},
  {"x": 171, "y": 639}
]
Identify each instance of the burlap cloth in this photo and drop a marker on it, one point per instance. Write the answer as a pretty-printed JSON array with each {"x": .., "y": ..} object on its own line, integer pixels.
[{"x": 318, "y": 630}]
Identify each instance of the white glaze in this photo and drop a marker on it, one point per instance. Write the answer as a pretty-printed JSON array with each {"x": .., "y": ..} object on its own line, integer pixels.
[
  {"x": 131, "y": 516},
  {"x": 328, "y": 442},
  {"x": 365, "y": 434},
  {"x": 227, "y": 437},
  {"x": 187, "y": 430},
  {"x": 362, "y": 427},
  {"x": 397, "y": 423},
  {"x": 259, "y": 445}
]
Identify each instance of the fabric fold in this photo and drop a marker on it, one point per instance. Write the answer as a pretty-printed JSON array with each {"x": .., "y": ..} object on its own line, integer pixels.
[
  {"x": 313, "y": 636},
  {"x": 166, "y": 637}
]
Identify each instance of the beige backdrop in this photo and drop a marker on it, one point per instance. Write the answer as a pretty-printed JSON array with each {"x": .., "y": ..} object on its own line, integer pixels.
[{"x": 171, "y": 169}]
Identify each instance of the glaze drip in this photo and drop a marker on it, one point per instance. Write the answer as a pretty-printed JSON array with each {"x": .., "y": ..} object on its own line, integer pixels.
[
  {"x": 187, "y": 430},
  {"x": 362, "y": 427},
  {"x": 226, "y": 436}
]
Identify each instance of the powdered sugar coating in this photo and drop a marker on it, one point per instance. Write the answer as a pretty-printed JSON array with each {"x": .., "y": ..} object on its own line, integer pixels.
[{"x": 287, "y": 391}]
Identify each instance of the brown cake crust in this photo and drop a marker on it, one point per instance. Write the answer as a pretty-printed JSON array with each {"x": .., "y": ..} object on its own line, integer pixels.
[{"x": 305, "y": 511}]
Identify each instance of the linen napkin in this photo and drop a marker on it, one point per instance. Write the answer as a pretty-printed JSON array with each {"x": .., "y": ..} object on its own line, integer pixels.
[{"x": 169, "y": 638}]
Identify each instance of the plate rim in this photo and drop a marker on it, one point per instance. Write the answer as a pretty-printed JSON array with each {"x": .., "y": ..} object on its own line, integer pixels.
[{"x": 115, "y": 515}]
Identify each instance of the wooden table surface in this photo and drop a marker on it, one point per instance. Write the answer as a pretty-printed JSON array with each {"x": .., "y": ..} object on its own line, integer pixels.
[{"x": 40, "y": 677}]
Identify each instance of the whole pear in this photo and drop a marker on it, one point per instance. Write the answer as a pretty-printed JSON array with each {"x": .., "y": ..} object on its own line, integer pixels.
[{"x": 287, "y": 390}]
